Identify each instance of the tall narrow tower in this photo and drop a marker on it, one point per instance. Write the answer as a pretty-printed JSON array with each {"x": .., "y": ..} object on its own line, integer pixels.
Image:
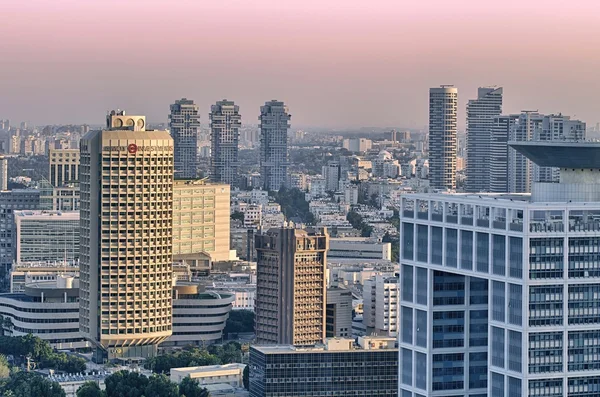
[
  {"x": 126, "y": 181},
  {"x": 225, "y": 123},
  {"x": 274, "y": 153},
  {"x": 443, "y": 105},
  {"x": 184, "y": 122},
  {"x": 480, "y": 121},
  {"x": 291, "y": 286}
]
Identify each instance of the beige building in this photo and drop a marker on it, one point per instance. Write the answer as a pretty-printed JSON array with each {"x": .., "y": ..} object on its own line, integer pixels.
[
  {"x": 126, "y": 182},
  {"x": 201, "y": 219},
  {"x": 64, "y": 166},
  {"x": 231, "y": 374},
  {"x": 291, "y": 286}
]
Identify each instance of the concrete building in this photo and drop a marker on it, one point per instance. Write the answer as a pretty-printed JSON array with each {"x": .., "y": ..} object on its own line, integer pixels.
[
  {"x": 23, "y": 273},
  {"x": 46, "y": 236},
  {"x": 64, "y": 166},
  {"x": 18, "y": 199},
  {"x": 184, "y": 122},
  {"x": 332, "y": 174},
  {"x": 65, "y": 198},
  {"x": 498, "y": 159},
  {"x": 339, "y": 368},
  {"x": 480, "y": 120},
  {"x": 126, "y": 181},
  {"x": 338, "y": 322},
  {"x": 380, "y": 305},
  {"x": 198, "y": 316},
  {"x": 357, "y": 144},
  {"x": 274, "y": 153},
  {"x": 231, "y": 374},
  {"x": 359, "y": 248},
  {"x": 498, "y": 294},
  {"x": 3, "y": 173},
  {"x": 291, "y": 286},
  {"x": 201, "y": 219},
  {"x": 225, "y": 123},
  {"x": 443, "y": 108},
  {"x": 47, "y": 309}
]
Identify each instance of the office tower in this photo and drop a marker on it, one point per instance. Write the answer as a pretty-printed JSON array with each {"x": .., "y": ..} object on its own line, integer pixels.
[
  {"x": 480, "y": 120},
  {"x": 201, "y": 219},
  {"x": 291, "y": 286},
  {"x": 11, "y": 200},
  {"x": 336, "y": 369},
  {"x": 225, "y": 123},
  {"x": 46, "y": 236},
  {"x": 338, "y": 321},
  {"x": 64, "y": 166},
  {"x": 499, "y": 293},
  {"x": 443, "y": 107},
  {"x": 380, "y": 305},
  {"x": 498, "y": 158},
  {"x": 393, "y": 134},
  {"x": 3, "y": 173},
  {"x": 332, "y": 174},
  {"x": 274, "y": 152},
  {"x": 126, "y": 181},
  {"x": 184, "y": 122}
]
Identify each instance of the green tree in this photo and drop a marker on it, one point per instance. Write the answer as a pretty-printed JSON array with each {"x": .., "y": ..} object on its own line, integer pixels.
[
  {"x": 159, "y": 385},
  {"x": 240, "y": 321},
  {"x": 246, "y": 377},
  {"x": 4, "y": 367},
  {"x": 191, "y": 388},
  {"x": 237, "y": 215},
  {"x": 126, "y": 384},
  {"x": 90, "y": 389},
  {"x": 29, "y": 384}
]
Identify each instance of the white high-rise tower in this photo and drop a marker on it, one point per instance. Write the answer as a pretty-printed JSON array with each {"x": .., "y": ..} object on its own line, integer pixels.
[{"x": 443, "y": 107}]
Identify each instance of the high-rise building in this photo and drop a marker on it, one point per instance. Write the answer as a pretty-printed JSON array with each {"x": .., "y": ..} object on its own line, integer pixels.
[
  {"x": 11, "y": 200},
  {"x": 225, "y": 123},
  {"x": 64, "y": 166},
  {"x": 184, "y": 122},
  {"x": 3, "y": 173},
  {"x": 480, "y": 120},
  {"x": 336, "y": 369},
  {"x": 443, "y": 107},
  {"x": 126, "y": 181},
  {"x": 291, "y": 286},
  {"x": 498, "y": 293},
  {"x": 201, "y": 219},
  {"x": 498, "y": 158},
  {"x": 46, "y": 236},
  {"x": 274, "y": 152}
]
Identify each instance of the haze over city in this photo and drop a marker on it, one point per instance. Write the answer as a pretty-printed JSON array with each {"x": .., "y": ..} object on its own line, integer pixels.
[{"x": 334, "y": 63}]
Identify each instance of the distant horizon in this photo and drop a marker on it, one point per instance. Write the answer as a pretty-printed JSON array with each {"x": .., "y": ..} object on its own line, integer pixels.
[{"x": 340, "y": 65}]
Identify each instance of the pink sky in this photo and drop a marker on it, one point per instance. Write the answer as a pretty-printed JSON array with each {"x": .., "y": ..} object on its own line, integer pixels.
[{"x": 334, "y": 62}]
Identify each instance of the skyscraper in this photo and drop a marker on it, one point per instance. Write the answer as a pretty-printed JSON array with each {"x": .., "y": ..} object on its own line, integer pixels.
[
  {"x": 498, "y": 159},
  {"x": 480, "y": 120},
  {"x": 499, "y": 293},
  {"x": 443, "y": 106},
  {"x": 184, "y": 122},
  {"x": 3, "y": 173},
  {"x": 225, "y": 123},
  {"x": 126, "y": 178},
  {"x": 291, "y": 286},
  {"x": 274, "y": 153}
]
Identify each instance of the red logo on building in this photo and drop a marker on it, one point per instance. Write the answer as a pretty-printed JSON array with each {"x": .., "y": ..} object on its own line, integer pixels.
[{"x": 132, "y": 148}]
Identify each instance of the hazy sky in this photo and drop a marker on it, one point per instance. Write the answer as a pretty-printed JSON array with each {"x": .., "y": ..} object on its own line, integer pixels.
[{"x": 336, "y": 63}]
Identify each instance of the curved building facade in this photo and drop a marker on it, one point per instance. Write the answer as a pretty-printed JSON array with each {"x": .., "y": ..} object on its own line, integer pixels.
[
  {"x": 198, "y": 317},
  {"x": 126, "y": 182},
  {"x": 48, "y": 310}
]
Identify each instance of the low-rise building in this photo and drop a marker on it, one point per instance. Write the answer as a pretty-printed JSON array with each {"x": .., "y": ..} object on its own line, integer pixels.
[
  {"x": 231, "y": 374},
  {"x": 338, "y": 321},
  {"x": 338, "y": 368},
  {"x": 359, "y": 248},
  {"x": 380, "y": 305}
]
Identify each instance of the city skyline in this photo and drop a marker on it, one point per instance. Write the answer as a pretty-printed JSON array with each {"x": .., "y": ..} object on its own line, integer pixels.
[{"x": 296, "y": 52}]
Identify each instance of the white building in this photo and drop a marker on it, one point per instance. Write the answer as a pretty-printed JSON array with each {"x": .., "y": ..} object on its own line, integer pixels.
[
  {"x": 359, "y": 248},
  {"x": 380, "y": 305},
  {"x": 357, "y": 144},
  {"x": 443, "y": 110},
  {"x": 231, "y": 374},
  {"x": 499, "y": 292}
]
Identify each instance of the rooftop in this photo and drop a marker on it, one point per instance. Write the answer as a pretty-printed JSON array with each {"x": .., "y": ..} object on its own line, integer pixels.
[{"x": 561, "y": 154}]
